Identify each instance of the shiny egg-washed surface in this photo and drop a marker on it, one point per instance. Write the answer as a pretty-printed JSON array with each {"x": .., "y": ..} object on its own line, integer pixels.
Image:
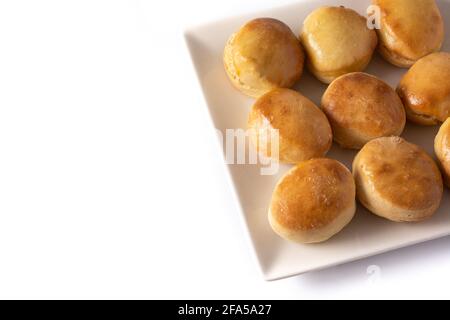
[
  {"x": 401, "y": 175},
  {"x": 304, "y": 130},
  {"x": 425, "y": 89},
  {"x": 264, "y": 54},
  {"x": 360, "y": 108},
  {"x": 410, "y": 30},
  {"x": 312, "y": 195},
  {"x": 337, "y": 41}
]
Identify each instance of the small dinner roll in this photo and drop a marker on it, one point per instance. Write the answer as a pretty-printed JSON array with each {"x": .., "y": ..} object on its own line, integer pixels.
[
  {"x": 361, "y": 107},
  {"x": 264, "y": 54},
  {"x": 303, "y": 129},
  {"x": 337, "y": 41},
  {"x": 425, "y": 89},
  {"x": 442, "y": 150},
  {"x": 313, "y": 201},
  {"x": 397, "y": 180},
  {"x": 410, "y": 30}
]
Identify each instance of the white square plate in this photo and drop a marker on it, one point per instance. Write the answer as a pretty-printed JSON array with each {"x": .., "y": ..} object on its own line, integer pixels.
[{"x": 367, "y": 234}]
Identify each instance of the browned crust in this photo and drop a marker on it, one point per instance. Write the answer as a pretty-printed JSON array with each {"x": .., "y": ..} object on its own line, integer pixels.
[
  {"x": 401, "y": 175},
  {"x": 264, "y": 54},
  {"x": 329, "y": 36},
  {"x": 304, "y": 130},
  {"x": 312, "y": 195},
  {"x": 425, "y": 89},
  {"x": 361, "y": 107},
  {"x": 410, "y": 30}
]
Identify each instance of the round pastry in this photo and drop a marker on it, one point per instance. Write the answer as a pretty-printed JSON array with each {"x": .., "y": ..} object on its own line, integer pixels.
[
  {"x": 337, "y": 41},
  {"x": 425, "y": 89},
  {"x": 397, "y": 180},
  {"x": 442, "y": 150},
  {"x": 410, "y": 30},
  {"x": 313, "y": 201},
  {"x": 303, "y": 129},
  {"x": 264, "y": 54},
  {"x": 361, "y": 107}
]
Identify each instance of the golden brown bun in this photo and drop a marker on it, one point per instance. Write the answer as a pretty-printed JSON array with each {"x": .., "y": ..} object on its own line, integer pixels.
[
  {"x": 442, "y": 150},
  {"x": 410, "y": 30},
  {"x": 313, "y": 201},
  {"x": 263, "y": 55},
  {"x": 425, "y": 89},
  {"x": 397, "y": 180},
  {"x": 304, "y": 131},
  {"x": 361, "y": 107},
  {"x": 337, "y": 41}
]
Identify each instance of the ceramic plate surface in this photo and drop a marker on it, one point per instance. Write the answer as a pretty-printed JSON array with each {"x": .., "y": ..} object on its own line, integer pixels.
[{"x": 367, "y": 234}]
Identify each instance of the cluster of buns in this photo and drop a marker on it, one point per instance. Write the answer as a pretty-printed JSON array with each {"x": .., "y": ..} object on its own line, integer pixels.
[{"x": 391, "y": 177}]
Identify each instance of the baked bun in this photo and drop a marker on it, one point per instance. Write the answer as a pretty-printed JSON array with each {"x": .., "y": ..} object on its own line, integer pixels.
[
  {"x": 425, "y": 89},
  {"x": 410, "y": 30},
  {"x": 361, "y": 107},
  {"x": 313, "y": 201},
  {"x": 442, "y": 150},
  {"x": 397, "y": 180},
  {"x": 264, "y": 54},
  {"x": 337, "y": 41},
  {"x": 304, "y": 131}
]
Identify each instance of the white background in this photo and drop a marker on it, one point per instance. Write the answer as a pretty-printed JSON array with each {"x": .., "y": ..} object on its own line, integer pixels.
[{"x": 111, "y": 183}]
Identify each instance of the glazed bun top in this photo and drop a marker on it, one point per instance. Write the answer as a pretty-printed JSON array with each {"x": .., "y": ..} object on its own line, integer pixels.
[
  {"x": 365, "y": 107},
  {"x": 264, "y": 54},
  {"x": 425, "y": 89},
  {"x": 303, "y": 128},
  {"x": 337, "y": 38},
  {"x": 400, "y": 172},
  {"x": 411, "y": 29},
  {"x": 313, "y": 194}
]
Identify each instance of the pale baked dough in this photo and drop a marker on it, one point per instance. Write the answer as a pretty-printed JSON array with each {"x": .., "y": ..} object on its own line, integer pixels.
[
  {"x": 264, "y": 54},
  {"x": 361, "y": 107},
  {"x": 442, "y": 150},
  {"x": 304, "y": 131},
  {"x": 337, "y": 41},
  {"x": 425, "y": 89},
  {"x": 410, "y": 30},
  {"x": 397, "y": 180},
  {"x": 313, "y": 201}
]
